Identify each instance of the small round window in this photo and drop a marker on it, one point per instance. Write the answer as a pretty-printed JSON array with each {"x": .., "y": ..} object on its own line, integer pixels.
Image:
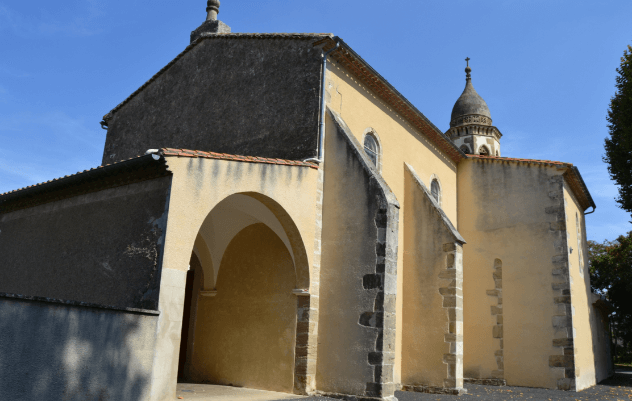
[{"x": 372, "y": 149}]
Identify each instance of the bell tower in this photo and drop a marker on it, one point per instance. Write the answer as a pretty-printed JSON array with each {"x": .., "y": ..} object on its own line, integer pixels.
[{"x": 471, "y": 126}]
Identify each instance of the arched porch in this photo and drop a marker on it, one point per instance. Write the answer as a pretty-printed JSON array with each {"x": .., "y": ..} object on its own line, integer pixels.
[{"x": 241, "y": 311}]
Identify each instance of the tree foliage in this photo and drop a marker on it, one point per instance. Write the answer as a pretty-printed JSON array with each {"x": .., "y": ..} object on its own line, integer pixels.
[
  {"x": 611, "y": 276},
  {"x": 619, "y": 144}
]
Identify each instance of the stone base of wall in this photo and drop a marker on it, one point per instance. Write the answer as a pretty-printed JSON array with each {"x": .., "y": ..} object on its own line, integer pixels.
[
  {"x": 486, "y": 382},
  {"x": 434, "y": 390},
  {"x": 348, "y": 397}
]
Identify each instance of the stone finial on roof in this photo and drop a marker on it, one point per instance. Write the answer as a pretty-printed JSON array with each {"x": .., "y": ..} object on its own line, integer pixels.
[
  {"x": 212, "y": 8},
  {"x": 468, "y": 70},
  {"x": 212, "y": 25},
  {"x": 470, "y": 104}
]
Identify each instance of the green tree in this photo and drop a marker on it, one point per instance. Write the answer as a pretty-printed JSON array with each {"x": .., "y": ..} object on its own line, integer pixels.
[
  {"x": 619, "y": 143},
  {"x": 611, "y": 276}
]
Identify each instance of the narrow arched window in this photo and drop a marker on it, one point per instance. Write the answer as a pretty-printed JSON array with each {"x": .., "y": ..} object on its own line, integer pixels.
[
  {"x": 372, "y": 149},
  {"x": 483, "y": 151},
  {"x": 465, "y": 149},
  {"x": 435, "y": 189}
]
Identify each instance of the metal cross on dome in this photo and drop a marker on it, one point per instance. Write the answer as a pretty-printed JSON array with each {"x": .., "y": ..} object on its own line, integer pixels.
[{"x": 468, "y": 61}]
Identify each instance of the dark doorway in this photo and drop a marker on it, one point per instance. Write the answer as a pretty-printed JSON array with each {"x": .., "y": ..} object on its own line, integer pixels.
[{"x": 186, "y": 323}]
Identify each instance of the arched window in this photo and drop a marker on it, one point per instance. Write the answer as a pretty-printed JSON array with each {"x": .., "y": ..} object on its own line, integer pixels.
[
  {"x": 465, "y": 149},
  {"x": 497, "y": 154},
  {"x": 372, "y": 148},
  {"x": 483, "y": 151},
  {"x": 435, "y": 190}
]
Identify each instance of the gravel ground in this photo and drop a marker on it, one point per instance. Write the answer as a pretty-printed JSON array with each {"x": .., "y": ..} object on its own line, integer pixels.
[{"x": 617, "y": 388}]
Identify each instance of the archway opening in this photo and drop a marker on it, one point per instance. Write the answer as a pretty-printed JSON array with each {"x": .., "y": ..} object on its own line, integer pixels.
[{"x": 241, "y": 328}]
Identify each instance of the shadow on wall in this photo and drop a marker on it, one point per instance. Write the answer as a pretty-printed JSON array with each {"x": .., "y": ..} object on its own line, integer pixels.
[{"x": 67, "y": 353}]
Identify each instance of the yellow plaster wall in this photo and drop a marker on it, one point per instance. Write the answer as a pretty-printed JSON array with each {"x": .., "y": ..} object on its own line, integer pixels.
[
  {"x": 198, "y": 185},
  {"x": 400, "y": 143},
  {"x": 201, "y": 184},
  {"x": 245, "y": 335},
  {"x": 502, "y": 215},
  {"x": 581, "y": 296},
  {"x": 348, "y": 254},
  {"x": 425, "y": 318}
]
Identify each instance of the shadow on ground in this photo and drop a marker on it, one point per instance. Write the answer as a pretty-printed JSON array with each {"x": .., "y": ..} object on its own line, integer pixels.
[{"x": 622, "y": 378}]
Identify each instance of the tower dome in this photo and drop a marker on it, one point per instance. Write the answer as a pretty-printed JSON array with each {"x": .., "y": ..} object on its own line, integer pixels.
[
  {"x": 471, "y": 122},
  {"x": 470, "y": 103}
]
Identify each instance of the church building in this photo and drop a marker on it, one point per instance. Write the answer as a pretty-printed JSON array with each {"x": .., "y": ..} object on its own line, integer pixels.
[{"x": 271, "y": 213}]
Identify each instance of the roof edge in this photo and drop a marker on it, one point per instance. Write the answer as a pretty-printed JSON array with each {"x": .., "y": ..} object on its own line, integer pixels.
[
  {"x": 444, "y": 218},
  {"x": 356, "y": 147},
  {"x": 83, "y": 182},
  {"x": 172, "y": 152},
  {"x": 584, "y": 187},
  {"x": 396, "y": 100}
]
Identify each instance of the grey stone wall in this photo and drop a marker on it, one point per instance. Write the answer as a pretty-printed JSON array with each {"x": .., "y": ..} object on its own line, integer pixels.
[
  {"x": 52, "y": 352},
  {"x": 253, "y": 95},
  {"x": 561, "y": 285},
  {"x": 103, "y": 247},
  {"x": 358, "y": 281}
]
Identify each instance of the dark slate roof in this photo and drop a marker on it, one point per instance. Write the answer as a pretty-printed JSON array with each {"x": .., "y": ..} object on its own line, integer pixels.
[
  {"x": 572, "y": 175},
  {"x": 297, "y": 36},
  {"x": 470, "y": 102},
  {"x": 348, "y": 58}
]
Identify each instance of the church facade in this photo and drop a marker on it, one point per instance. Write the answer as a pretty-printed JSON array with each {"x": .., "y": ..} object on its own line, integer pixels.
[{"x": 271, "y": 213}]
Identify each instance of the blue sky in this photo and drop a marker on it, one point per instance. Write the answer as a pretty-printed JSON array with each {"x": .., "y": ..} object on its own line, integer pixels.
[{"x": 545, "y": 67}]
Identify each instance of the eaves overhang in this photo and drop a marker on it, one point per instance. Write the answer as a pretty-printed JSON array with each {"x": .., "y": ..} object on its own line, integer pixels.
[{"x": 352, "y": 61}]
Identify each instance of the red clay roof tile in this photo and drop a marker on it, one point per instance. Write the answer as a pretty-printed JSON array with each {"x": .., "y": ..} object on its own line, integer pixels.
[
  {"x": 224, "y": 156},
  {"x": 533, "y": 161},
  {"x": 185, "y": 153}
]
